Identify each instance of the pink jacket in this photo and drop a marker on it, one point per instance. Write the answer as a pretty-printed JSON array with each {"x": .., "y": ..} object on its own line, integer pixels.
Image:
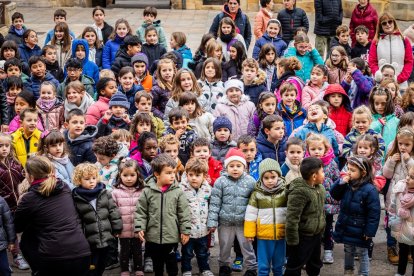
[
  {"x": 260, "y": 22},
  {"x": 312, "y": 93},
  {"x": 97, "y": 110},
  {"x": 126, "y": 199}
]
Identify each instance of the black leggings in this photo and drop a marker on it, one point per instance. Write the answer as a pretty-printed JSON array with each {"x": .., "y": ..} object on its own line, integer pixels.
[
  {"x": 403, "y": 260},
  {"x": 130, "y": 247}
]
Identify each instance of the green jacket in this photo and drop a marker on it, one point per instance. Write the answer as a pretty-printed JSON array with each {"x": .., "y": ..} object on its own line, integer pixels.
[
  {"x": 162, "y": 216},
  {"x": 305, "y": 213}
]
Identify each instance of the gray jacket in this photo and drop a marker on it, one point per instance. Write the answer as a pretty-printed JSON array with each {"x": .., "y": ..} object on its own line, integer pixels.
[{"x": 7, "y": 233}]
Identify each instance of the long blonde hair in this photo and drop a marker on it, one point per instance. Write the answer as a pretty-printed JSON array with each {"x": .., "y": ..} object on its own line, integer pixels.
[
  {"x": 8, "y": 138},
  {"x": 40, "y": 167}
]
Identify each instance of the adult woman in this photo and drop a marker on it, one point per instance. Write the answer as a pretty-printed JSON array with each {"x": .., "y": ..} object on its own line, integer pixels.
[
  {"x": 389, "y": 45},
  {"x": 363, "y": 14},
  {"x": 52, "y": 242}
]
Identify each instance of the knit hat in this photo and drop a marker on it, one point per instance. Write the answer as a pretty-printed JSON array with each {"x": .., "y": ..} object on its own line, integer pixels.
[
  {"x": 268, "y": 165},
  {"x": 119, "y": 99},
  {"x": 233, "y": 83},
  {"x": 235, "y": 154},
  {"x": 222, "y": 122},
  {"x": 140, "y": 57}
]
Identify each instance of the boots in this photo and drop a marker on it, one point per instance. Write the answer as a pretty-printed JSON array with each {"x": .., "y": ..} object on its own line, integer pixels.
[
  {"x": 393, "y": 255},
  {"x": 225, "y": 271}
]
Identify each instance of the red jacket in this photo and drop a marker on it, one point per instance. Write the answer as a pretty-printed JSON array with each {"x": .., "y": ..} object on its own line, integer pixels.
[
  {"x": 367, "y": 17},
  {"x": 214, "y": 169},
  {"x": 341, "y": 116}
]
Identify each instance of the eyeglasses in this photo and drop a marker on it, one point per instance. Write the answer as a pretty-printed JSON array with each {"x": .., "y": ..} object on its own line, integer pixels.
[{"x": 389, "y": 22}]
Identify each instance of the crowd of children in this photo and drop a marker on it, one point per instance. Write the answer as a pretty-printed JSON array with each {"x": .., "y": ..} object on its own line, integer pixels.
[{"x": 274, "y": 155}]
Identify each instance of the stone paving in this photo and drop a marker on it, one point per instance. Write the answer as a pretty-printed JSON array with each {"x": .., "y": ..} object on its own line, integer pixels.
[{"x": 195, "y": 23}]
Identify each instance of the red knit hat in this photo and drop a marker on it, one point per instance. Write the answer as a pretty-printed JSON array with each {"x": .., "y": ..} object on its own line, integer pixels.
[{"x": 235, "y": 154}]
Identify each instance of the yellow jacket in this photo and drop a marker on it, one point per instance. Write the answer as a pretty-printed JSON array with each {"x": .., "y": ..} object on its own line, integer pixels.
[
  {"x": 159, "y": 127},
  {"x": 19, "y": 145}
]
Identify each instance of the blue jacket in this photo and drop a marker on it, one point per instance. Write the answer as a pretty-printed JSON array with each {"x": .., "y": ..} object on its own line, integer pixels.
[
  {"x": 325, "y": 130},
  {"x": 187, "y": 55},
  {"x": 81, "y": 147},
  {"x": 359, "y": 214},
  {"x": 109, "y": 51},
  {"x": 131, "y": 97},
  {"x": 51, "y": 33},
  {"x": 258, "y": 86},
  {"x": 13, "y": 35},
  {"x": 64, "y": 171},
  {"x": 89, "y": 68},
  {"x": 35, "y": 84},
  {"x": 269, "y": 150},
  {"x": 25, "y": 52},
  {"x": 254, "y": 166},
  {"x": 308, "y": 60},
  {"x": 292, "y": 120},
  {"x": 278, "y": 42}
]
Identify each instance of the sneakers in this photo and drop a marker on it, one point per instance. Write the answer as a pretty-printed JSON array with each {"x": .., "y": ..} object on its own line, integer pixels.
[
  {"x": 148, "y": 266},
  {"x": 207, "y": 273},
  {"x": 348, "y": 272},
  {"x": 112, "y": 265},
  {"x": 20, "y": 262},
  {"x": 237, "y": 264},
  {"x": 328, "y": 257},
  {"x": 187, "y": 273},
  {"x": 224, "y": 271},
  {"x": 393, "y": 255},
  {"x": 250, "y": 273}
]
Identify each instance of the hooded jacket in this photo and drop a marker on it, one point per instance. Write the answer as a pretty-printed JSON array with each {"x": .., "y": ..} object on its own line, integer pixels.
[
  {"x": 277, "y": 41},
  {"x": 219, "y": 149},
  {"x": 109, "y": 51},
  {"x": 36, "y": 83},
  {"x": 160, "y": 31},
  {"x": 260, "y": 22},
  {"x": 55, "y": 70},
  {"x": 308, "y": 60},
  {"x": 7, "y": 233},
  {"x": 328, "y": 14},
  {"x": 270, "y": 150},
  {"x": 366, "y": 16},
  {"x": 87, "y": 81},
  {"x": 97, "y": 110},
  {"x": 341, "y": 116},
  {"x": 86, "y": 102},
  {"x": 23, "y": 146},
  {"x": 359, "y": 89},
  {"x": 52, "y": 118},
  {"x": 212, "y": 91},
  {"x": 130, "y": 94},
  {"x": 291, "y": 20},
  {"x": 26, "y": 52},
  {"x": 312, "y": 93},
  {"x": 352, "y": 136},
  {"x": 160, "y": 97},
  {"x": 89, "y": 68},
  {"x": 258, "y": 86},
  {"x": 13, "y": 35},
  {"x": 187, "y": 55},
  {"x": 11, "y": 175},
  {"x": 292, "y": 120},
  {"x": 81, "y": 147},
  {"x": 387, "y": 128},
  {"x": 289, "y": 76},
  {"x": 106, "y": 127},
  {"x": 325, "y": 130},
  {"x": 122, "y": 59}
]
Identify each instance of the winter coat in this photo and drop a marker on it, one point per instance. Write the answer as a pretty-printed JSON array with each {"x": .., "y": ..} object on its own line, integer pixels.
[
  {"x": 103, "y": 33},
  {"x": 106, "y": 127},
  {"x": 335, "y": 42},
  {"x": 15, "y": 124},
  {"x": 153, "y": 52},
  {"x": 163, "y": 216},
  {"x": 239, "y": 115},
  {"x": 97, "y": 110},
  {"x": 109, "y": 51},
  {"x": 87, "y": 82},
  {"x": 277, "y": 41},
  {"x": 122, "y": 59},
  {"x": 253, "y": 166},
  {"x": 173, "y": 103},
  {"x": 160, "y": 32},
  {"x": 331, "y": 171},
  {"x": 100, "y": 217},
  {"x": 359, "y": 89},
  {"x": 130, "y": 94},
  {"x": 387, "y": 130},
  {"x": 36, "y": 83},
  {"x": 291, "y": 20},
  {"x": 13, "y": 35},
  {"x": 341, "y": 116},
  {"x": 64, "y": 169},
  {"x": 109, "y": 172},
  {"x": 230, "y": 71},
  {"x": 292, "y": 120},
  {"x": 86, "y": 102},
  {"x": 203, "y": 125},
  {"x": 146, "y": 82},
  {"x": 11, "y": 175},
  {"x": 270, "y": 150},
  {"x": 198, "y": 201},
  {"x": 351, "y": 138},
  {"x": 62, "y": 55},
  {"x": 50, "y": 225},
  {"x": 229, "y": 199},
  {"x": 212, "y": 92},
  {"x": 19, "y": 141},
  {"x": 187, "y": 55},
  {"x": 89, "y": 68},
  {"x": 366, "y": 16},
  {"x": 260, "y": 22},
  {"x": 240, "y": 19},
  {"x": 305, "y": 215},
  {"x": 159, "y": 127},
  {"x": 7, "y": 233},
  {"x": 4, "y": 107},
  {"x": 214, "y": 170},
  {"x": 289, "y": 77},
  {"x": 97, "y": 57},
  {"x": 186, "y": 141},
  {"x": 290, "y": 171},
  {"x": 126, "y": 199},
  {"x": 312, "y": 93},
  {"x": 25, "y": 52},
  {"x": 360, "y": 213},
  {"x": 55, "y": 70},
  {"x": 336, "y": 74},
  {"x": 160, "y": 97},
  {"x": 325, "y": 131},
  {"x": 328, "y": 14},
  {"x": 308, "y": 61},
  {"x": 54, "y": 117},
  {"x": 219, "y": 149},
  {"x": 395, "y": 171},
  {"x": 361, "y": 51},
  {"x": 81, "y": 146},
  {"x": 225, "y": 47},
  {"x": 258, "y": 86}
]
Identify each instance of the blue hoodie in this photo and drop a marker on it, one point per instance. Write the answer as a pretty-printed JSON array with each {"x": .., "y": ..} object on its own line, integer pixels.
[
  {"x": 277, "y": 41},
  {"x": 109, "y": 51},
  {"x": 325, "y": 130},
  {"x": 89, "y": 68}
]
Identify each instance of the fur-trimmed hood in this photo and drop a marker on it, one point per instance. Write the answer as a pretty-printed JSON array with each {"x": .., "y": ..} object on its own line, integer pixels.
[{"x": 260, "y": 78}]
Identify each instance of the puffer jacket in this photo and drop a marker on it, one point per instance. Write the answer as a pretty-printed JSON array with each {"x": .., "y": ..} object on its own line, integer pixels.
[
  {"x": 219, "y": 149},
  {"x": 325, "y": 130},
  {"x": 328, "y": 14},
  {"x": 312, "y": 93},
  {"x": 341, "y": 116},
  {"x": 126, "y": 199},
  {"x": 153, "y": 52},
  {"x": 230, "y": 70},
  {"x": 122, "y": 59},
  {"x": 290, "y": 77},
  {"x": 270, "y": 150},
  {"x": 212, "y": 92},
  {"x": 198, "y": 203},
  {"x": 54, "y": 117},
  {"x": 163, "y": 216},
  {"x": 81, "y": 147},
  {"x": 258, "y": 86},
  {"x": 254, "y": 166},
  {"x": 11, "y": 175},
  {"x": 291, "y": 20},
  {"x": 214, "y": 170},
  {"x": 13, "y": 35},
  {"x": 130, "y": 94},
  {"x": 387, "y": 130},
  {"x": 7, "y": 233},
  {"x": 292, "y": 119},
  {"x": 64, "y": 169},
  {"x": 187, "y": 55},
  {"x": 186, "y": 141},
  {"x": 395, "y": 171},
  {"x": 352, "y": 136},
  {"x": 305, "y": 215},
  {"x": 159, "y": 127},
  {"x": 277, "y": 41},
  {"x": 260, "y": 22},
  {"x": 87, "y": 81},
  {"x": 100, "y": 217},
  {"x": 19, "y": 144},
  {"x": 97, "y": 110},
  {"x": 160, "y": 31},
  {"x": 336, "y": 75},
  {"x": 55, "y": 70},
  {"x": 229, "y": 199},
  {"x": 360, "y": 213},
  {"x": 203, "y": 125},
  {"x": 366, "y": 16},
  {"x": 160, "y": 97},
  {"x": 106, "y": 127},
  {"x": 89, "y": 68},
  {"x": 109, "y": 51},
  {"x": 239, "y": 115},
  {"x": 26, "y": 52},
  {"x": 36, "y": 83},
  {"x": 308, "y": 61}
]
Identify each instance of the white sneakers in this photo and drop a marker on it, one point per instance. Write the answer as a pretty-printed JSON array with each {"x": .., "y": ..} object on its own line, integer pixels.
[{"x": 328, "y": 257}]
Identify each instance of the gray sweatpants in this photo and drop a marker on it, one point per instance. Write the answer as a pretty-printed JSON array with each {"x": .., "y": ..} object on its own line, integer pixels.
[{"x": 226, "y": 235}]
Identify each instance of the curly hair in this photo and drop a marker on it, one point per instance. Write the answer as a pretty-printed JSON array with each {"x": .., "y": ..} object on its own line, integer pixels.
[
  {"x": 84, "y": 170},
  {"x": 105, "y": 145},
  {"x": 169, "y": 139},
  {"x": 408, "y": 97}
]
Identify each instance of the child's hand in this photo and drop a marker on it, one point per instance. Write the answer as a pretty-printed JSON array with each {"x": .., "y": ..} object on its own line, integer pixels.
[
  {"x": 212, "y": 230},
  {"x": 184, "y": 239},
  {"x": 250, "y": 239},
  {"x": 11, "y": 247},
  {"x": 396, "y": 157},
  {"x": 107, "y": 115},
  {"x": 140, "y": 235},
  {"x": 310, "y": 47},
  {"x": 346, "y": 178},
  {"x": 126, "y": 119},
  {"x": 351, "y": 68},
  {"x": 348, "y": 77},
  {"x": 405, "y": 156},
  {"x": 4, "y": 128},
  {"x": 179, "y": 132}
]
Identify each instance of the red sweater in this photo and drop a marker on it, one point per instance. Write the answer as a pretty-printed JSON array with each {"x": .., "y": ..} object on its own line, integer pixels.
[{"x": 214, "y": 169}]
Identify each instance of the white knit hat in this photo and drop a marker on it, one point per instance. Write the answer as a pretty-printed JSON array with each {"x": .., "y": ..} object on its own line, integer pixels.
[{"x": 234, "y": 83}]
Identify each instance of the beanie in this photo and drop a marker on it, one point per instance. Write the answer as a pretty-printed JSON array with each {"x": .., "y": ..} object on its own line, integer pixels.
[
  {"x": 140, "y": 57},
  {"x": 269, "y": 165},
  {"x": 235, "y": 154},
  {"x": 222, "y": 122},
  {"x": 119, "y": 99},
  {"x": 233, "y": 83}
]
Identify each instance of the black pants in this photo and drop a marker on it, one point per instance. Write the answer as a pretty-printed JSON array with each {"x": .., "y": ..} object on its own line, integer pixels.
[
  {"x": 98, "y": 260},
  {"x": 308, "y": 252},
  {"x": 130, "y": 247},
  {"x": 78, "y": 266},
  {"x": 403, "y": 260},
  {"x": 112, "y": 257},
  {"x": 163, "y": 254}
]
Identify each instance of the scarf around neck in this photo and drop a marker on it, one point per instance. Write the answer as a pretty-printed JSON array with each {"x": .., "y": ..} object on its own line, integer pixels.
[
  {"x": 46, "y": 105},
  {"x": 61, "y": 160},
  {"x": 276, "y": 189},
  {"x": 90, "y": 194}
]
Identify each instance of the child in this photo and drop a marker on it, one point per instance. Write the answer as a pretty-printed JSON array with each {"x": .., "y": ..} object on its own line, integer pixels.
[
  {"x": 122, "y": 136},
  {"x": 210, "y": 82},
  {"x": 63, "y": 42},
  {"x": 200, "y": 121},
  {"x": 52, "y": 65},
  {"x": 147, "y": 151},
  {"x": 142, "y": 76},
  {"x": 131, "y": 46},
  {"x": 143, "y": 103},
  {"x": 29, "y": 47},
  {"x": 79, "y": 137},
  {"x": 267, "y": 208},
  {"x": 394, "y": 89},
  {"x": 305, "y": 220},
  {"x": 26, "y": 138},
  {"x": 271, "y": 36},
  {"x": 227, "y": 35},
  {"x": 140, "y": 123},
  {"x": 316, "y": 86},
  {"x": 341, "y": 39},
  {"x": 128, "y": 87},
  {"x": 295, "y": 149},
  {"x": 58, "y": 16},
  {"x": 290, "y": 108},
  {"x": 15, "y": 86},
  {"x": 74, "y": 68},
  {"x": 39, "y": 74},
  {"x": 201, "y": 149},
  {"x": 102, "y": 29},
  {"x": 386, "y": 71},
  {"x": 201, "y": 54},
  {"x": 121, "y": 30},
  {"x": 116, "y": 117},
  {"x": 161, "y": 91},
  {"x": 362, "y": 44},
  {"x": 107, "y": 73},
  {"x": 364, "y": 14},
  {"x": 177, "y": 43},
  {"x": 286, "y": 68},
  {"x": 80, "y": 50},
  {"x": 233, "y": 67},
  {"x": 253, "y": 79},
  {"x": 198, "y": 192},
  {"x": 76, "y": 97},
  {"x": 222, "y": 142},
  {"x": 337, "y": 64},
  {"x": 126, "y": 192},
  {"x": 248, "y": 145},
  {"x": 24, "y": 100},
  {"x": 17, "y": 28},
  {"x": 268, "y": 62},
  {"x": 8, "y": 237},
  {"x": 271, "y": 141},
  {"x": 408, "y": 99},
  {"x": 152, "y": 48},
  {"x": 95, "y": 45},
  {"x": 150, "y": 15},
  {"x": 228, "y": 203},
  {"x": 339, "y": 108},
  {"x": 169, "y": 144},
  {"x": 318, "y": 146},
  {"x": 98, "y": 213},
  {"x": 262, "y": 18},
  {"x": 266, "y": 105},
  {"x": 236, "y": 106},
  {"x": 50, "y": 107},
  {"x": 105, "y": 88},
  {"x": 173, "y": 219},
  {"x": 359, "y": 213}
]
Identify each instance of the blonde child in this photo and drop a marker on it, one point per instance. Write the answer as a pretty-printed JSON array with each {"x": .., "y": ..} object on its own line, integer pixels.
[
  {"x": 169, "y": 144},
  {"x": 76, "y": 97},
  {"x": 143, "y": 103},
  {"x": 152, "y": 48},
  {"x": 210, "y": 82},
  {"x": 266, "y": 105},
  {"x": 394, "y": 89},
  {"x": 337, "y": 64},
  {"x": 268, "y": 62},
  {"x": 121, "y": 30},
  {"x": 177, "y": 43},
  {"x": 315, "y": 88},
  {"x": 161, "y": 91},
  {"x": 107, "y": 73},
  {"x": 253, "y": 79},
  {"x": 408, "y": 99},
  {"x": 105, "y": 88},
  {"x": 50, "y": 107}
]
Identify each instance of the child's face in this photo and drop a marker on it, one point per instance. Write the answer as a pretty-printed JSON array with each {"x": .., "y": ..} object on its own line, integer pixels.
[
  {"x": 166, "y": 176},
  {"x": 118, "y": 111},
  {"x": 361, "y": 122},
  {"x": 380, "y": 102},
  {"x": 289, "y": 4},
  {"x": 270, "y": 179},
  {"x": 202, "y": 152},
  {"x": 343, "y": 38},
  {"x": 195, "y": 179},
  {"x": 19, "y": 105},
  {"x": 29, "y": 122},
  {"x": 249, "y": 74},
  {"x": 151, "y": 37},
  {"x": 317, "y": 76},
  {"x": 129, "y": 176},
  {"x": 218, "y": 53},
  {"x": 302, "y": 48},
  {"x": 336, "y": 57},
  {"x": 99, "y": 17},
  {"x": 56, "y": 150},
  {"x": 31, "y": 40},
  {"x": 125, "y": 141},
  {"x": 316, "y": 149},
  {"x": 59, "y": 19},
  {"x": 225, "y": 28},
  {"x": 144, "y": 105},
  {"x": 354, "y": 172},
  {"x": 249, "y": 150},
  {"x": 47, "y": 92},
  {"x": 234, "y": 95},
  {"x": 3, "y": 75},
  {"x": 319, "y": 176},
  {"x": 335, "y": 99},
  {"x": 388, "y": 73},
  {"x": 393, "y": 90},
  {"x": 315, "y": 114},
  {"x": 13, "y": 71},
  {"x": 235, "y": 169},
  {"x": 134, "y": 49},
  {"x": 4, "y": 148},
  {"x": 9, "y": 53},
  {"x": 140, "y": 69},
  {"x": 18, "y": 23},
  {"x": 149, "y": 18},
  {"x": 50, "y": 55},
  {"x": 121, "y": 30},
  {"x": 210, "y": 71},
  {"x": 289, "y": 98},
  {"x": 270, "y": 57},
  {"x": 103, "y": 159},
  {"x": 295, "y": 154},
  {"x": 74, "y": 73},
  {"x": 268, "y": 106},
  {"x": 276, "y": 132},
  {"x": 361, "y": 37},
  {"x": 75, "y": 126},
  {"x": 14, "y": 91},
  {"x": 80, "y": 54},
  {"x": 143, "y": 126},
  {"x": 233, "y": 53},
  {"x": 59, "y": 34},
  {"x": 150, "y": 149},
  {"x": 38, "y": 69},
  {"x": 89, "y": 181},
  {"x": 364, "y": 148},
  {"x": 273, "y": 29},
  {"x": 186, "y": 81},
  {"x": 90, "y": 38},
  {"x": 222, "y": 134},
  {"x": 173, "y": 43},
  {"x": 180, "y": 123},
  {"x": 172, "y": 150},
  {"x": 405, "y": 145},
  {"x": 409, "y": 179},
  {"x": 110, "y": 89},
  {"x": 190, "y": 107},
  {"x": 167, "y": 72},
  {"x": 126, "y": 81},
  {"x": 74, "y": 97}
]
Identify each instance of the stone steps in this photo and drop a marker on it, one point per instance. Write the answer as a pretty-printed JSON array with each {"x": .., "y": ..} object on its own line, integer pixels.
[{"x": 159, "y": 4}]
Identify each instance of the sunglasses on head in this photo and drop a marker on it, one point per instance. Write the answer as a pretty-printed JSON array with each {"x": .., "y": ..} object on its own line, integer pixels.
[{"x": 389, "y": 22}]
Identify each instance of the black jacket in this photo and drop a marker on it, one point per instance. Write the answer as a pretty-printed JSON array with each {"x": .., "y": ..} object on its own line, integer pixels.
[
  {"x": 4, "y": 113},
  {"x": 230, "y": 70},
  {"x": 153, "y": 52},
  {"x": 122, "y": 59},
  {"x": 7, "y": 234},
  {"x": 81, "y": 147},
  {"x": 328, "y": 16},
  {"x": 291, "y": 20},
  {"x": 360, "y": 51},
  {"x": 55, "y": 70},
  {"x": 13, "y": 35},
  {"x": 335, "y": 42},
  {"x": 106, "y": 32}
]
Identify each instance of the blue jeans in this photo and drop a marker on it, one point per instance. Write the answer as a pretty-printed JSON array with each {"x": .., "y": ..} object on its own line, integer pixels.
[
  {"x": 200, "y": 248},
  {"x": 271, "y": 254},
  {"x": 4, "y": 264},
  {"x": 350, "y": 251}
]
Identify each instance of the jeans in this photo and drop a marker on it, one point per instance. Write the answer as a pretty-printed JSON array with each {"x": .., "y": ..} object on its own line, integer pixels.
[
  {"x": 4, "y": 264},
  {"x": 163, "y": 254},
  {"x": 271, "y": 255},
  {"x": 328, "y": 243},
  {"x": 200, "y": 248},
  {"x": 403, "y": 260},
  {"x": 350, "y": 251},
  {"x": 130, "y": 247}
]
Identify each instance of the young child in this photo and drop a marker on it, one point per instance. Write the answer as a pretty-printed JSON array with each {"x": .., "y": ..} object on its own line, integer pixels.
[
  {"x": 267, "y": 208},
  {"x": 362, "y": 44},
  {"x": 52, "y": 65},
  {"x": 29, "y": 47},
  {"x": 295, "y": 149},
  {"x": 76, "y": 97},
  {"x": 359, "y": 213},
  {"x": 161, "y": 91},
  {"x": 233, "y": 68},
  {"x": 394, "y": 89},
  {"x": 268, "y": 62},
  {"x": 285, "y": 70},
  {"x": 142, "y": 75},
  {"x": 316, "y": 86},
  {"x": 15, "y": 86},
  {"x": 339, "y": 108},
  {"x": 198, "y": 192},
  {"x": 63, "y": 42},
  {"x": 386, "y": 71},
  {"x": 105, "y": 88},
  {"x": 131, "y": 46},
  {"x": 79, "y": 137},
  {"x": 8, "y": 237},
  {"x": 408, "y": 99},
  {"x": 152, "y": 48},
  {"x": 227, "y": 35},
  {"x": 80, "y": 50},
  {"x": 17, "y": 28},
  {"x": 107, "y": 73},
  {"x": 24, "y": 100},
  {"x": 139, "y": 124},
  {"x": 271, "y": 36},
  {"x": 147, "y": 151},
  {"x": 305, "y": 220},
  {"x": 236, "y": 106},
  {"x": 150, "y": 16},
  {"x": 266, "y": 105},
  {"x": 337, "y": 64},
  {"x": 228, "y": 203},
  {"x": 143, "y": 103},
  {"x": 202, "y": 149},
  {"x": 271, "y": 141},
  {"x": 177, "y": 43},
  {"x": 74, "y": 68},
  {"x": 121, "y": 30},
  {"x": 248, "y": 145},
  {"x": 39, "y": 74},
  {"x": 169, "y": 144},
  {"x": 122, "y": 136},
  {"x": 341, "y": 39},
  {"x": 58, "y": 16},
  {"x": 95, "y": 45},
  {"x": 127, "y": 86},
  {"x": 210, "y": 82},
  {"x": 253, "y": 79},
  {"x": 126, "y": 192},
  {"x": 172, "y": 218},
  {"x": 98, "y": 213},
  {"x": 222, "y": 142},
  {"x": 50, "y": 107}
]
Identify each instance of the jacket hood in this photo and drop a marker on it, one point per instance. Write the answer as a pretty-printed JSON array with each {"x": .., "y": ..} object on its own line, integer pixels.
[
  {"x": 151, "y": 182},
  {"x": 12, "y": 30},
  {"x": 226, "y": 101},
  {"x": 259, "y": 79},
  {"x": 268, "y": 38},
  {"x": 337, "y": 88},
  {"x": 88, "y": 133},
  {"x": 85, "y": 45},
  {"x": 156, "y": 23}
]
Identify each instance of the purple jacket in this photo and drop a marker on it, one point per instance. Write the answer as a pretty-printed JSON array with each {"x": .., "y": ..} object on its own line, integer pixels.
[{"x": 359, "y": 89}]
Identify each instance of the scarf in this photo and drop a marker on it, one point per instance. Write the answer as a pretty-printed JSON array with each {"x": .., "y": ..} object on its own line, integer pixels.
[
  {"x": 61, "y": 160},
  {"x": 90, "y": 194},
  {"x": 407, "y": 202},
  {"x": 226, "y": 38},
  {"x": 295, "y": 168},
  {"x": 276, "y": 189},
  {"x": 46, "y": 105},
  {"x": 327, "y": 158},
  {"x": 19, "y": 32},
  {"x": 10, "y": 99},
  {"x": 86, "y": 102}
]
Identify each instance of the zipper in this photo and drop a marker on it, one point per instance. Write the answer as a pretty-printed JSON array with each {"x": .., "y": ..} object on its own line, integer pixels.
[
  {"x": 162, "y": 206},
  {"x": 274, "y": 216},
  {"x": 12, "y": 182},
  {"x": 390, "y": 50}
]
